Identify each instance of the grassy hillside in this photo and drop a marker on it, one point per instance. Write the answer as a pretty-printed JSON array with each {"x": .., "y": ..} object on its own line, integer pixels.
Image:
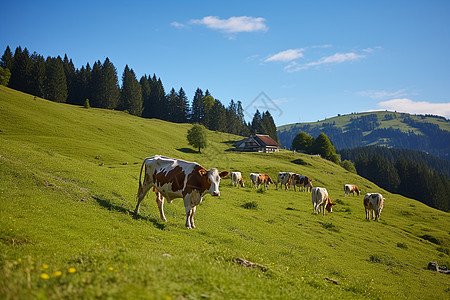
[
  {"x": 383, "y": 128},
  {"x": 395, "y": 122},
  {"x": 68, "y": 180}
]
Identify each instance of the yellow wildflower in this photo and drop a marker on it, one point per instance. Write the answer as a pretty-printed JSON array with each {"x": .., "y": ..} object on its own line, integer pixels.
[
  {"x": 57, "y": 274},
  {"x": 72, "y": 270},
  {"x": 45, "y": 276}
]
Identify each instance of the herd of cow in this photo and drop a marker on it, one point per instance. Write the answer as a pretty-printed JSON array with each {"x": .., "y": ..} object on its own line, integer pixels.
[{"x": 174, "y": 178}]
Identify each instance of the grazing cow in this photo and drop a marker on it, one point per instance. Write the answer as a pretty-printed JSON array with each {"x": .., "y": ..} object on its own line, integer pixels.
[
  {"x": 264, "y": 179},
  {"x": 254, "y": 179},
  {"x": 373, "y": 202},
  {"x": 284, "y": 179},
  {"x": 301, "y": 181},
  {"x": 320, "y": 198},
  {"x": 174, "y": 178},
  {"x": 236, "y": 179},
  {"x": 351, "y": 188}
]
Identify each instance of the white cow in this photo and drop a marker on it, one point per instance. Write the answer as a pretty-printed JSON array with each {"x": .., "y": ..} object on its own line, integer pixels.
[
  {"x": 320, "y": 198},
  {"x": 254, "y": 178},
  {"x": 284, "y": 179},
  {"x": 236, "y": 179},
  {"x": 373, "y": 202}
]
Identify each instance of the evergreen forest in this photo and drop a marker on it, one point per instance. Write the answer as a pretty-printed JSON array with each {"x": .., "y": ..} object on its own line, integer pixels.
[{"x": 57, "y": 79}]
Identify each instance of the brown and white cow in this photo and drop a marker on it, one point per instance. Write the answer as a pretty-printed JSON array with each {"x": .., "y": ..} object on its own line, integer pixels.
[
  {"x": 351, "y": 188},
  {"x": 174, "y": 178},
  {"x": 320, "y": 198},
  {"x": 284, "y": 179},
  {"x": 301, "y": 181},
  {"x": 264, "y": 179},
  {"x": 236, "y": 179},
  {"x": 373, "y": 204}
]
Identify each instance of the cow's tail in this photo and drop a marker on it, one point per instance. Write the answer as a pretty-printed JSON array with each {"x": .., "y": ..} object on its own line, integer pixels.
[{"x": 140, "y": 177}]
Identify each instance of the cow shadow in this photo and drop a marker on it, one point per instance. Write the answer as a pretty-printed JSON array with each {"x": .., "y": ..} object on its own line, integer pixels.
[
  {"x": 187, "y": 150},
  {"x": 105, "y": 203}
]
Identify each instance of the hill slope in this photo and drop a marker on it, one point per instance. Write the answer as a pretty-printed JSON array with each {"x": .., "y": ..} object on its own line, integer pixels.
[
  {"x": 392, "y": 129},
  {"x": 69, "y": 177}
]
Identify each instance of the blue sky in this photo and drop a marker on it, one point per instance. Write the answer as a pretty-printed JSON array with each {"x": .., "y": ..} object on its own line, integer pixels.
[{"x": 301, "y": 60}]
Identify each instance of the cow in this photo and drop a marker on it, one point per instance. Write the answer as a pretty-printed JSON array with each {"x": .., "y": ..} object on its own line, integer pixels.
[
  {"x": 236, "y": 179},
  {"x": 284, "y": 179},
  {"x": 373, "y": 203},
  {"x": 174, "y": 178},
  {"x": 264, "y": 179},
  {"x": 320, "y": 198},
  {"x": 254, "y": 179},
  {"x": 351, "y": 188},
  {"x": 301, "y": 181}
]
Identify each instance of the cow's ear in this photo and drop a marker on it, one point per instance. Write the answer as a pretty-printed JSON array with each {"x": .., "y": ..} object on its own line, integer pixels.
[
  {"x": 333, "y": 204},
  {"x": 223, "y": 174}
]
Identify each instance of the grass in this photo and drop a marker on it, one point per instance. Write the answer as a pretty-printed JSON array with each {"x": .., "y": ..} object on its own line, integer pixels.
[{"x": 68, "y": 181}]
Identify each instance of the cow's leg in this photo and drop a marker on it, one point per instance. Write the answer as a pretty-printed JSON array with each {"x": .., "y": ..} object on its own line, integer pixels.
[
  {"x": 142, "y": 191},
  {"x": 187, "y": 207},
  {"x": 192, "y": 212},
  {"x": 160, "y": 202}
]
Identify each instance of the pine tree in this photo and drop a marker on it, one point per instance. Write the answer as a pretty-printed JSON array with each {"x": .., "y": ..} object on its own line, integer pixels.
[
  {"x": 20, "y": 71},
  {"x": 130, "y": 93},
  {"x": 37, "y": 87},
  {"x": 269, "y": 126},
  {"x": 105, "y": 85},
  {"x": 256, "y": 126},
  {"x": 196, "y": 112},
  {"x": 6, "y": 61},
  {"x": 55, "y": 80},
  {"x": 181, "y": 107},
  {"x": 69, "y": 71},
  {"x": 218, "y": 119}
]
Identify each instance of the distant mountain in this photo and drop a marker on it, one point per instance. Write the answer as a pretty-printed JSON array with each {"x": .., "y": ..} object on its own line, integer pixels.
[{"x": 427, "y": 133}]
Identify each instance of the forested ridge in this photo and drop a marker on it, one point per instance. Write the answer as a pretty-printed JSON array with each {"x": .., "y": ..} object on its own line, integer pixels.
[
  {"x": 410, "y": 132},
  {"x": 413, "y": 174},
  {"x": 57, "y": 79}
]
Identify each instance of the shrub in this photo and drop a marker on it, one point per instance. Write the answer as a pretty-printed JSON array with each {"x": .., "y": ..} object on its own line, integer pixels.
[
  {"x": 402, "y": 245},
  {"x": 431, "y": 239},
  {"x": 86, "y": 103},
  {"x": 250, "y": 205}
]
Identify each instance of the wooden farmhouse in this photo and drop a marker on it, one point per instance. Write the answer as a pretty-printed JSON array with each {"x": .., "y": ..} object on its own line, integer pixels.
[{"x": 257, "y": 143}]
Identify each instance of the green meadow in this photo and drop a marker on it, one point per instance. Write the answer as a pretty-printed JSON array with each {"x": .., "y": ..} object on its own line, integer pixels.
[{"x": 68, "y": 182}]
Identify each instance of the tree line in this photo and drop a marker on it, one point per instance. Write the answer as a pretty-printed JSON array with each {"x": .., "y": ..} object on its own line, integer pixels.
[
  {"x": 57, "y": 79},
  {"x": 321, "y": 145},
  {"x": 413, "y": 174}
]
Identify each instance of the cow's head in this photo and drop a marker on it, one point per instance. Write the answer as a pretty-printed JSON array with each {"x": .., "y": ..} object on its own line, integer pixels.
[
  {"x": 329, "y": 206},
  {"x": 212, "y": 177},
  {"x": 357, "y": 191}
]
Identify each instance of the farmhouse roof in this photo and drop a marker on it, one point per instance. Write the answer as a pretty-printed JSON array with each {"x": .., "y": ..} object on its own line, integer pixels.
[{"x": 267, "y": 140}]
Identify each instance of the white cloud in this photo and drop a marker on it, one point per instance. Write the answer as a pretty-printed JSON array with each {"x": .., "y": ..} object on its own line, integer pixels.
[
  {"x": 412, "y": 107},
  {"x": 380, "y": 95},
  {"x": 178, "y": 25},
  {"x": 233, "y": 24},
  {"x": 337, "y": 58},
  {"x": 287, "y": 55}
]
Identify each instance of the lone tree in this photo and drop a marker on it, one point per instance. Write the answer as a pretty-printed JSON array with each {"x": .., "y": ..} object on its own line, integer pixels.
[
  {"x": 302, "y": 142},
  {"x": 196, "y": 136}
]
